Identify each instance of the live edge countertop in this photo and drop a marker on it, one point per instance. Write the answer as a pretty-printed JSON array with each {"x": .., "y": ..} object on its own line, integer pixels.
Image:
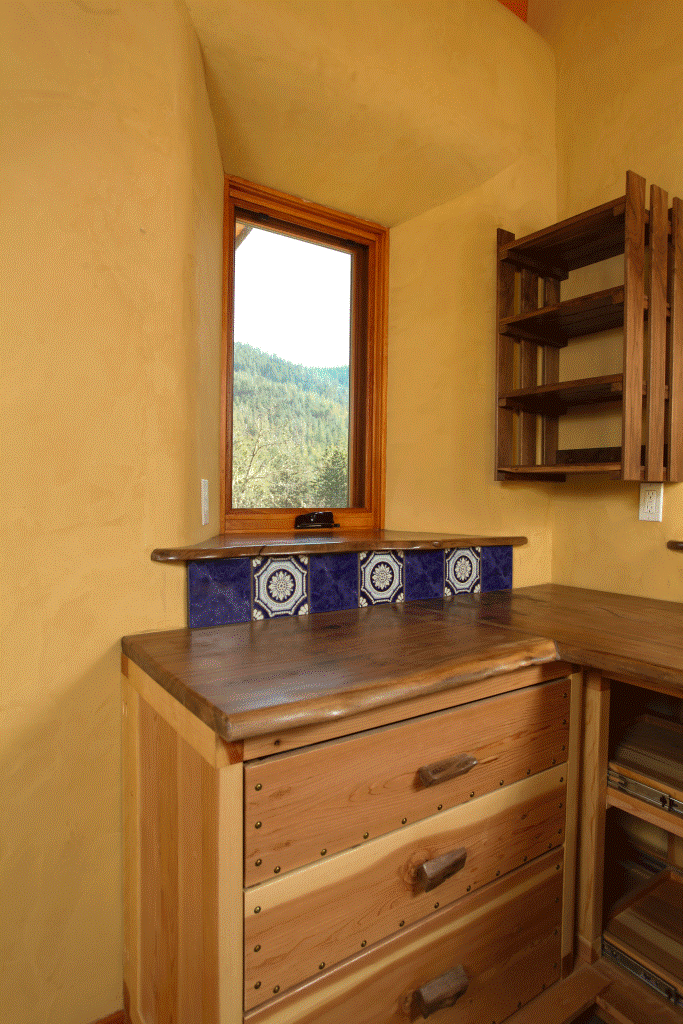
[{"x": 254, "y": 678}]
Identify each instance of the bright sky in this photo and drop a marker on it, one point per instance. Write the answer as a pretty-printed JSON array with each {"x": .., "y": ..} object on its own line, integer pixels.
[{"x": 292, "y": 299}]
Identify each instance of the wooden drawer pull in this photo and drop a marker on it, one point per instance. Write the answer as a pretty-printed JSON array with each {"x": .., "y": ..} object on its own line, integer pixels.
[
  {"x": 440, "y": 771},
  {"x": 434, "y": 872},
  {"x": 440, "y": 993}
]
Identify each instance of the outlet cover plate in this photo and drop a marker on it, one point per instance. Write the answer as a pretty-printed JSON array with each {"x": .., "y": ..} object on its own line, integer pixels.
[{"x": 651, "y": 501}]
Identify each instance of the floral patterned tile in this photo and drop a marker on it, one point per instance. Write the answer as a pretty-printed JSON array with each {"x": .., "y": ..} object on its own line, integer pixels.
[
  {"x": 463, "y": 571},
  {"x": 280, "y": 586},
  {"x": 381, "y": 577}
]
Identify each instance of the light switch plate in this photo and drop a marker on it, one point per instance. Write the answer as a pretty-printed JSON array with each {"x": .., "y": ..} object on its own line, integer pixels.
[
  {"x": 651, "y": 501},
  {"x": 205, "y": 503}
]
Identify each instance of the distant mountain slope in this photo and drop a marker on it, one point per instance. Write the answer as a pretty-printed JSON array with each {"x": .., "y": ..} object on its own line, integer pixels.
[{"x": 290, "y": 432}]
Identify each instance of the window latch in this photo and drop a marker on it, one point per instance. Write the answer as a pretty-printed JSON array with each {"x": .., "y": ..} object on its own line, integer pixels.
[{"x": 315, "y": 521}]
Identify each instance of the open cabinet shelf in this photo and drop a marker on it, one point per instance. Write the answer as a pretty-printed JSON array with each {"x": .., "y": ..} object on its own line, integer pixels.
[{"x": 648, "y": 307}]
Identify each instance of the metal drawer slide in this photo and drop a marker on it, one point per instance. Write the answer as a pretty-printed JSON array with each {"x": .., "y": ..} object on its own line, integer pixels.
[
  {"x": 648, "y": 794},
  {"x": 652, "y": 980}
]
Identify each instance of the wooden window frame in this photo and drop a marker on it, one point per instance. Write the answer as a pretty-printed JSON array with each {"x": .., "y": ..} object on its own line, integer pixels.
[{"x": 367, "y": 391}]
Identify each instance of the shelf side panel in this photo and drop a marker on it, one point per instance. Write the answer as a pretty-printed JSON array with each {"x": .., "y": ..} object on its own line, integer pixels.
[
  {"x": 675, "y": 418},
  {"x": 634, "y": 304},
  {"x": 656, "y": 369},
  {"x": 505, "y": 300}
]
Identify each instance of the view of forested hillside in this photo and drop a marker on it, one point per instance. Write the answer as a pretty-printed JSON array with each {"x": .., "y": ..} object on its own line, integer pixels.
[{"x": 290, "y": 432}]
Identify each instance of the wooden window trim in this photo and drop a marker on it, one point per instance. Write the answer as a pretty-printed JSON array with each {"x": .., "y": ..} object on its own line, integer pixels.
[{"x": 368, "y": 374}]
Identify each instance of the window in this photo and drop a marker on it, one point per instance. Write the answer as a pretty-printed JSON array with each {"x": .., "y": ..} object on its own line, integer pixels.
[{"x": 304, "y": 362}]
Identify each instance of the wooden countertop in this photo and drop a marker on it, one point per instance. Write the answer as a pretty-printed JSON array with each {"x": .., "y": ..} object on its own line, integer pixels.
[
  {"x": 258, "y": 677},
  {"x": 321, "y": 542},
  {"x": 253, "y": 678},
  {"x": 629, "y": 636}
]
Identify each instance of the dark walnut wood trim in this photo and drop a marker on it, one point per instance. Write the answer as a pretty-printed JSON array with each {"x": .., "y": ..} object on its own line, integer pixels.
[
  {"x": 256, "y": 678},
  {"x": 324, "y": 542},
  {"x": 632, "y": 638},
  {"x": 369, "y": 359}
]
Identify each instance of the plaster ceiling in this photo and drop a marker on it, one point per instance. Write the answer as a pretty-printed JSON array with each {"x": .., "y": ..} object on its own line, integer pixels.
[{"x": 381, "y": 108}]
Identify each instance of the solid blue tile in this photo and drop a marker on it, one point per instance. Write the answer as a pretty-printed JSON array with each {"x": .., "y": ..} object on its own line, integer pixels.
[
  {"x": 219, "y": 592},
  {"x": 496, "y": 568},
  {"x": 424, "y": 575},
  {"x": 333, "y": 582}
]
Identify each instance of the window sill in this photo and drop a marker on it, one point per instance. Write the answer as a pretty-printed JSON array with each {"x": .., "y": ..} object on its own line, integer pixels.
[{"x": 320, "y": 542}]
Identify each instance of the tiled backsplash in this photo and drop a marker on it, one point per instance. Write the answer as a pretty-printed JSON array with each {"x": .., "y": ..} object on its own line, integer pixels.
[{"x": 228, "y": 590}]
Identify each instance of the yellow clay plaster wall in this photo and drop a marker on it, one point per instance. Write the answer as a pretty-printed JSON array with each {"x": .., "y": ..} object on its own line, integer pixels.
[
  {"x": 620, "y": 107},
  {"x": 441, "y": 379},
  {"x": 112, "y": 205}
]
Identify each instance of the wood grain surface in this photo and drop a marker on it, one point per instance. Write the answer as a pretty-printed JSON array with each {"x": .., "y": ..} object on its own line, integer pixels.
[
  {"x": 319, "y": 542},
  {"x": 506, "y": 936},
  {"x": 635, "y": 638},
  {"x": 368, "y": 784},
  {"x": 255, "y": 678},
  {"x": 338, "y": 906}
]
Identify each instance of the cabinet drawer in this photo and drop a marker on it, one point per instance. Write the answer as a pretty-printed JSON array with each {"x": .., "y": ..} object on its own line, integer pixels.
[
  {"x": 334, "y": 908},
  {"x": 505, "y": 938},
  {"x": 322, "y": 799}
]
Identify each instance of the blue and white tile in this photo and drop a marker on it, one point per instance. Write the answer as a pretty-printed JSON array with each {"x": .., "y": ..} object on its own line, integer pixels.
[
  {"x": 463, "y": 571},
  {"x": 218, "y": 592},
  {"x": 424, "y": 575},
  {"x": 496, "y": 568},
  {"x": 333, "y": 582},
  {"x": 280, "y": 586},
  {"x": 381, "y": 577}
]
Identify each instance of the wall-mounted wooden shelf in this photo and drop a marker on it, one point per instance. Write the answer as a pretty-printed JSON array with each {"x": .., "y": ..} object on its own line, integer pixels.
[{"x": 648, "y": 307}]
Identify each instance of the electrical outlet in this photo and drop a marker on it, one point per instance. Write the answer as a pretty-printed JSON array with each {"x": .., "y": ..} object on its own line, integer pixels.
[
  {"x": 205, "y": 503},
  {"x": 651, "y": 501}
]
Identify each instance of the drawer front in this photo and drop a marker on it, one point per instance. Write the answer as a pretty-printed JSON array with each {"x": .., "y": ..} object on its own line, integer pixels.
[
  {"x": 317, "y": 801},
  {"x": 504, "y": 939},
  {"x": 335, "y": 908}
]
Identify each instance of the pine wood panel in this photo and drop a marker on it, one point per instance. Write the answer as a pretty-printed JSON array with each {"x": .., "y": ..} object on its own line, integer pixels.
[
  {"x": 181, "y": 891},
  {"x": 592, "y": 828},
  {"x": 334, "y": 908},
  {"x": 506, "y": 936},
  {"x": 650, "y": 749},
  {"x": 278, "y": 742},
  {"x": 572, "y": 823},
  {"x": 369, "y": 783},
  {"x": 629, "y": 1001},
  {"x": 646, "y": 812},
  {"x": 564, "y": 1001},
  {"x": 650, "y": 928}
]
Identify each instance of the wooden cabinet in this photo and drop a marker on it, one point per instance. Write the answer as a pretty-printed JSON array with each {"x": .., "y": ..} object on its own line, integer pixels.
[
  {"x": 424, "y": 866},
  {"x": 534, "y": 324},
  {"x": 643, "y": 889}
]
